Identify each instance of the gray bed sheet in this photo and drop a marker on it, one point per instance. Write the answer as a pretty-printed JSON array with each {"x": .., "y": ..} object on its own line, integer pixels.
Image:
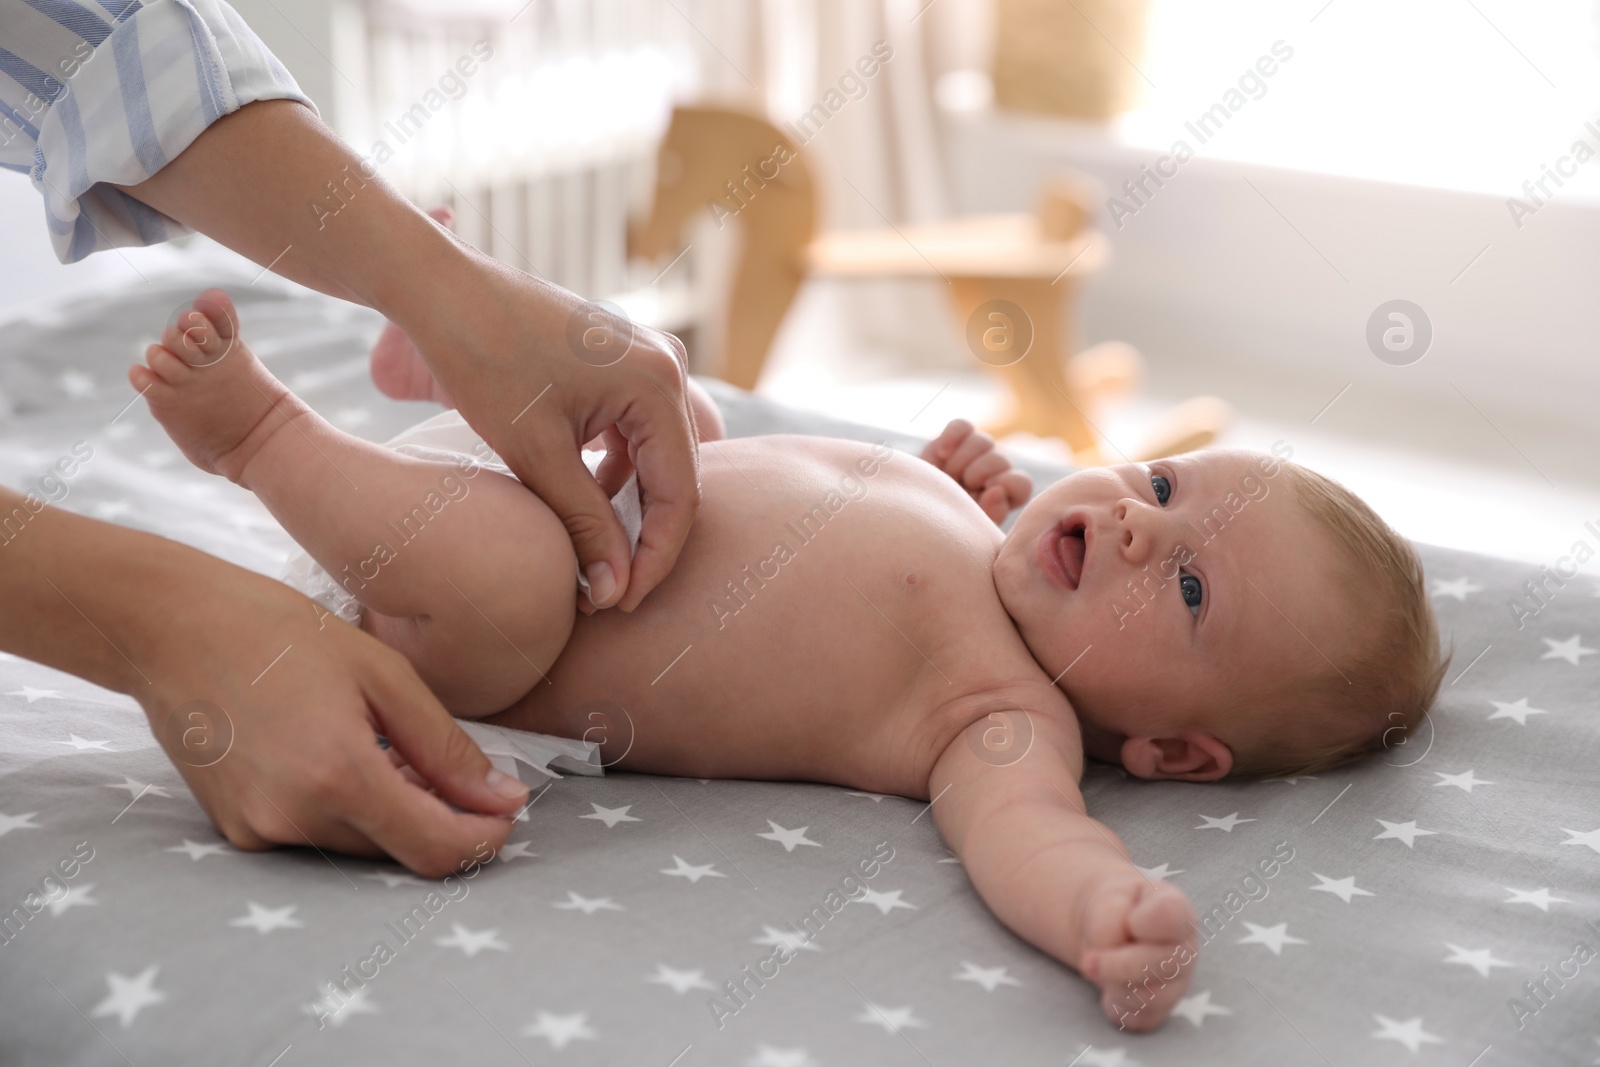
[{"x": 1440, "y": 904}]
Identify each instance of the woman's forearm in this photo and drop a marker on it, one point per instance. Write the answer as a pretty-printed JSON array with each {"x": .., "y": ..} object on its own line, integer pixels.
[
  {"x": 274, "y": 183},
  {"x": 75, "y": 593}
]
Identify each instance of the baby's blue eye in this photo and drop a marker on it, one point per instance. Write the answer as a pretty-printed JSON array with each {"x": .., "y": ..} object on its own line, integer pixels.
[
  {"x": 1192, "y": 593},
  {"x": 1162, "y": 487}
]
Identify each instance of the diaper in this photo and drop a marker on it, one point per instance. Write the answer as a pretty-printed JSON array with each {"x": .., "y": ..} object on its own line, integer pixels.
[{"x": 445, "y": 438}]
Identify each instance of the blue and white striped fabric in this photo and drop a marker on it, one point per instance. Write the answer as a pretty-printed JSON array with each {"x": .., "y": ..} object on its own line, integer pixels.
[{"x": 112, "y": 91}]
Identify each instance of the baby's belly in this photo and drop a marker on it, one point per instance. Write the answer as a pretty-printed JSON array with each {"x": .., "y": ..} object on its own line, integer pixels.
[{"x": 785, "y": 642}]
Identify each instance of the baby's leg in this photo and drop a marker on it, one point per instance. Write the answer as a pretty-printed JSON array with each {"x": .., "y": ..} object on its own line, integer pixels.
[{"x": 472, "y": 577}]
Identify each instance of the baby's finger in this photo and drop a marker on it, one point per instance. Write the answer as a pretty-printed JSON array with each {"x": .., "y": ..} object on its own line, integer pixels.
[
  {"x": 940, "y": 447},
  {"x": 1142, "y": 982},
  {"x": 994, "y": 503},
  {"x": 1018, "y": 486},
  {"x": 984, "y": 469},
  {"x": 966, "y": 452},
  {"x": 1161, "y": 915}
]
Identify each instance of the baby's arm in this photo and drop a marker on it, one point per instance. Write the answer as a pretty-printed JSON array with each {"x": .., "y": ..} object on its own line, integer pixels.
[
  {"x": 970, "y": 458},
  {"x": 1059, "y": 878}
]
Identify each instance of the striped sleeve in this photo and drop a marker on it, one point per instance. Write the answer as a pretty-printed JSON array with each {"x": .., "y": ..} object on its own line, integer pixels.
[{"x": 110, "y": 91}]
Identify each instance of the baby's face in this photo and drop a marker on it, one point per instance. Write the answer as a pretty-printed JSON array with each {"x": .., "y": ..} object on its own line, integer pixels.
[{"x": 1155, "y": 592}]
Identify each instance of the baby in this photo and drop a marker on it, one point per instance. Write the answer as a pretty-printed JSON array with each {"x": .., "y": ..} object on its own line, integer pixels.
[{"x": 850, "y": 614}]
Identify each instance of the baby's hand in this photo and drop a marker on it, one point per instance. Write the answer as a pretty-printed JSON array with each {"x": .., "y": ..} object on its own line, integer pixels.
[
  {"x": 1138, "y": 947},
  {"x": 969, "y": 457}
]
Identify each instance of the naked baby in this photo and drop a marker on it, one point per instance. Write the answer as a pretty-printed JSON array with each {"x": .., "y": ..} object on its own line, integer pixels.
[{"x": 846, "y": 613}]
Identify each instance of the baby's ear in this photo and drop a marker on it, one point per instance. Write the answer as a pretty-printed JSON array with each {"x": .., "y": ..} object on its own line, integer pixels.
[{"x": 1192, "y": 756}]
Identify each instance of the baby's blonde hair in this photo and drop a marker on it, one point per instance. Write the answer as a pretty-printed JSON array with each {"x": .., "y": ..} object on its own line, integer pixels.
[{"x": 1378, "y": 693}]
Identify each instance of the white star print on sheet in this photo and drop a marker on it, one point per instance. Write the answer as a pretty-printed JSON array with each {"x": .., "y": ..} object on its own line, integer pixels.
[
  {"x": 1343, "y": 888},
  {"x": 472, "y": 942},
  {"x": 1479, "y": 959},
  {"x": 1108, "y": 1057},
  {"x": 391, "y": 880},
  {"x": 610, "y": 816},
  {"x": 1518, "y": 711},
  {"x": 9, "y": 823},
  {"x": 1572, "y": 650},
  {"x": 130, "y": 996},
  {"x": 1158, "y": 873},
  {"x": 81, "y": 745},
  {"x": 788, "y": 939},
  {"x": 346, "y": 1005},
  {"x": 1409, "y": 1033},
  {"x": 1227, "y": 822},
  {"x": 76, "y": 384},
  {"x": 875, "y": 797},
  {"x": 1458, "y": 588},
  {"x": 578, "y": 902},
  {"x": 1273, "y": 937},
  {"x": 33, "y": 694},
  {"x": 991, "y": 978},
  {"x": 681, "y": 869},
  {"x": 893, "y": 1020},
  {"x": 680, "y": 981},
  {"x": 1579, "y": 837},
  {"x": 884, "y": 902},
  {"x": 136, "y": 788},
  {"x": 767, "y": 1056},
  {"x": 1408, "y": 832},
  {"x": 265, "y": 920},
  {"x": 1539, "y": 898},
  {"x": 789, "y": 839},
  {"x": 1463, "y": 781},
  {"x": 516, "y": 850},
  {"x": 561, "y": 1030},
  {"x": 1197, "y": 1007},
  {"x": 76, "y": 896},
  {"x": 197, "y": 851}
]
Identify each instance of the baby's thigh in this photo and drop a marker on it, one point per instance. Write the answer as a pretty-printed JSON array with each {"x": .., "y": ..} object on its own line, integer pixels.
[{"x": 498, "y": 579}]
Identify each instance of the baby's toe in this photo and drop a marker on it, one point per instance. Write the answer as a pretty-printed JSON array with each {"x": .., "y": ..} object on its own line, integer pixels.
[
  {"x": 166, "y": 366},
  {"x": 217, "y": 306},
  {"x": 200, "y": 338}
]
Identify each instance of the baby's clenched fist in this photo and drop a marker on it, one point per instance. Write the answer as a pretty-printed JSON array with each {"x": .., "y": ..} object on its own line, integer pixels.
[
  {"x": 1138, "y": 947},
  {"x": 970, "y": 458}
]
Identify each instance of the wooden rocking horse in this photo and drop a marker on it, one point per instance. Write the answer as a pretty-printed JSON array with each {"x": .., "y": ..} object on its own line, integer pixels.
[{"x": 1012, "y": 278}]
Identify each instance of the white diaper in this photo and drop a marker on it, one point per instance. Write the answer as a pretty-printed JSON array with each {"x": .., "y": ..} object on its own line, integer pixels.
[{"x": 446, "y": 438}]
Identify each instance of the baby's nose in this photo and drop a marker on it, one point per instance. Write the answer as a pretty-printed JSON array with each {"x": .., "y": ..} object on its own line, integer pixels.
[{"x": 1137, "y": 529}]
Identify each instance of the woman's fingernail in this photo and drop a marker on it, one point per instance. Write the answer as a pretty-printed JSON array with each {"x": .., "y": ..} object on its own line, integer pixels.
[
  {"x": 601, "y": 583},
  {"x": 505, "y": 785}
]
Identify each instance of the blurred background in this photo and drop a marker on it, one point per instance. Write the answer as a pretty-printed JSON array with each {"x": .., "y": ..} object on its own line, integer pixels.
[{"x": 1249, "y": 186}]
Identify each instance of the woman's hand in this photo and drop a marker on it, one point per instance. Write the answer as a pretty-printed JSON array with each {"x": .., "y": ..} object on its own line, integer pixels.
[
  {"x": 970, "y": 458},
  {"x": 537, "y": 372},
  {"x": 269, "y": 707}
]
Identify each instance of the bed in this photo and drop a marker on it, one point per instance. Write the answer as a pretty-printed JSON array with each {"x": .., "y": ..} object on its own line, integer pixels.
[{"x": 1439, "y": 903}]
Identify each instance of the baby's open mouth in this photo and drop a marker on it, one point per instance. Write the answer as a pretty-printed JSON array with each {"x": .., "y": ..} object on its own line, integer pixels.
[{"x": 1062, "y": 550}]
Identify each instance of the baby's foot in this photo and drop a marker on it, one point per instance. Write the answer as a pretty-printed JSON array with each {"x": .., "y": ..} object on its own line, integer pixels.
[
  {"x": 398, "y": 369},
  {"x": 209, "y": 392}
]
